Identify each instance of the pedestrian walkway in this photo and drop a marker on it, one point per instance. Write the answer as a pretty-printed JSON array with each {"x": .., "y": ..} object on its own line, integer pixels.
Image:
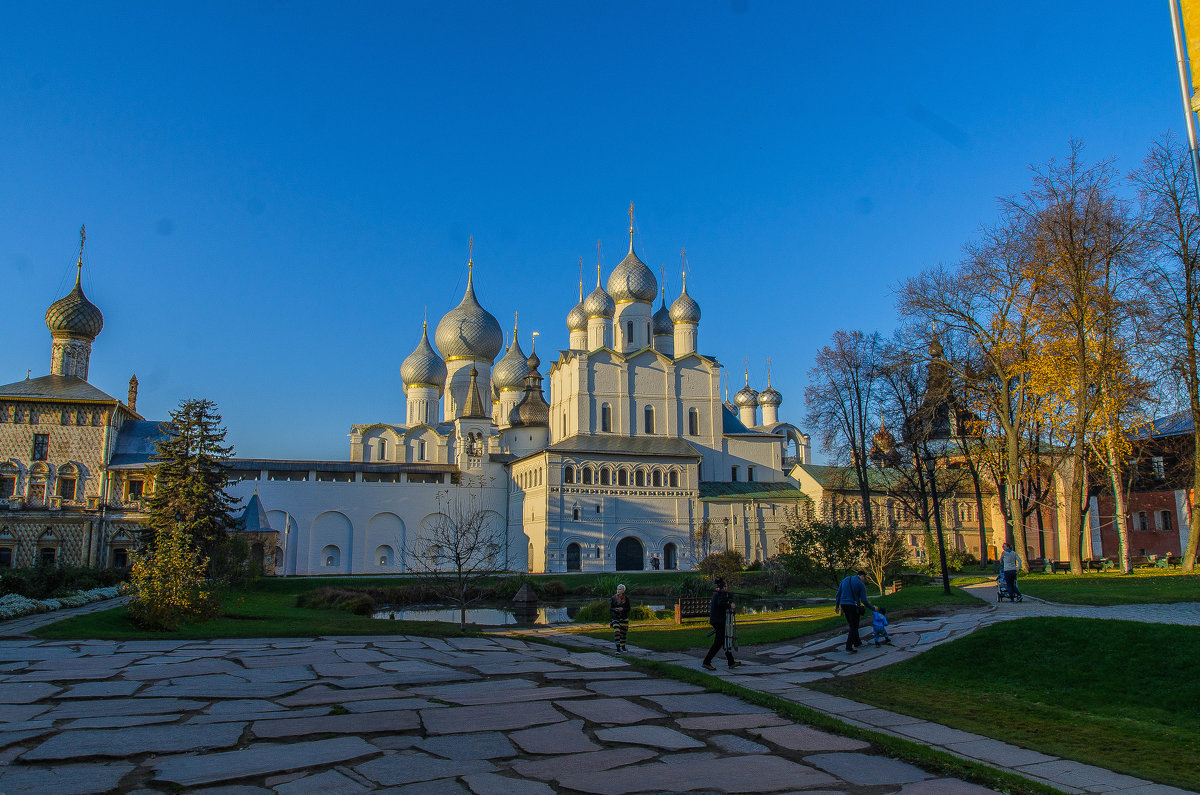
[
  {"x": 500, "y": 714},
  {"x": 17, "y": 627},
  {"x": 783, "y": 670}
]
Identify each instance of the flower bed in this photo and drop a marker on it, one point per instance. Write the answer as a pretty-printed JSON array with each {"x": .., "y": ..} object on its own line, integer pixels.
[{"x": 14, "y": 606}]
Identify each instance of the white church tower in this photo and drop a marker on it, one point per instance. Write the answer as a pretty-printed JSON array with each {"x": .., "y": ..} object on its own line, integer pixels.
[{"x": 470, "y": 338}]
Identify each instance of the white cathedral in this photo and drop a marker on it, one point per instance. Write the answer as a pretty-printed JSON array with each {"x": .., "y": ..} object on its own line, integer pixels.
[{"x": 635, "y": 460}]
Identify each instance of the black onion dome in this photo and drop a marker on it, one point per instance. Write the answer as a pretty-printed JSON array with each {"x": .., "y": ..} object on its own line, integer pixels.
[{"x": 75, "y": 314}]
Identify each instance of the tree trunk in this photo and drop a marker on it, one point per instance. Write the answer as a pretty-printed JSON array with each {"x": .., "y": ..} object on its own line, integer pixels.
[
  {"x": 1016, "y": 519},
  {"x": 1114, "y": 477},
  {"x": 1193, "y": 542}
]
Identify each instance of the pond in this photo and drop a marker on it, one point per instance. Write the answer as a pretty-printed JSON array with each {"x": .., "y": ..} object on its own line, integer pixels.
[{"x": 494, "y": 614}]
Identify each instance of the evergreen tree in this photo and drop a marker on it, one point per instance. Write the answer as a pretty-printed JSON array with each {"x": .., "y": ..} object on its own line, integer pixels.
[{"x": 190, "y": 478}]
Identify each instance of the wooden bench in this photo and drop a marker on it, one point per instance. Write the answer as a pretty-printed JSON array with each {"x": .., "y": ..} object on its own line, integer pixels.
[
  {"x": 691, "y": 607},
  {"x": 895, "y": 586},
  {"x": 1060, "y": 565}
]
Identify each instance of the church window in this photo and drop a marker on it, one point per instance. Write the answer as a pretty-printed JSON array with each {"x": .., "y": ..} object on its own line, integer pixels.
[
  {"x": 8, "y": 486},
  {"x": 639, "y": 478},
  {"x": 1164, "y": 521},
  {"x": 134, "y": 489},
  {"x": 587, "y": 476},
  {"x": 1158, "y": 465},
  {"x": 673, "y": 479},
  {"x": 693, "y": 422},
  {"x": 421, "y": 450},
  {"x": 606, "y": 418},
  {"x": 568, "y": 474},
  {"x": 41, "y": 446},
  {"x": 597, "y": 509},
  {"x": 647, "y": 331},
  {"x": 6, "y": 558},
  {"x": 47, "y": 556},
  {"x": 575, "y": 514},
  {"x": 750, "y": 474},
  {"x": 622, "y": 477},
  {"x": 649, "y": 419},
  {"x": 605, "y": 477},
  {"x": 629, "y": 333},
  {"x": 382, "y": 450},
  {"x": 564, "y": 426},
  {"x": 656, "y": 478},
  {"x": 734, "y": 475}
]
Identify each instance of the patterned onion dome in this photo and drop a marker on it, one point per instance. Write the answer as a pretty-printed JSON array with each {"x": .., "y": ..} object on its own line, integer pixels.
[
  {"x": 74, "y": 314},
  {"x": 746, "y": 396},
  {"x": 769, "y": 397},
  {"x": 468, "y": 331},
  {"x": 577, "y": 318},
  {"x": 598, "y": 304},
  {"x": 662, "y": 322},
  {"x": 684, "y": 309},
  {"x": 632, "y": 280},
  {"x": 935, "y": 348},
  {"x": 510, "y": 371},
  {"x": 533, "y": 410},
  {"x": 883, "y": 439},
  {"x": 424, "y": 367}
]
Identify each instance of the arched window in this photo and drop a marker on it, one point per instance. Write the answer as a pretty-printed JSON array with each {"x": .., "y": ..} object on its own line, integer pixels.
[
  {"x": 639, "y": 478},
  {"x": 622, "y": 477},
  {"x": 605, "y": 477},
  {"x": 673, "y": 479},
  {"x": 605, "y": 418},
  {"x": 568, "y": 474},
  {"x": 656, "y": 478},
  {"x": 693, "y": 422},
  {"x": 382, "y": 450},
  {"x": 629, "y": 333},
  {"x": 587, "y": 476},
  {"x": 421, "y": 450},
  {"x": 575, "y": 514},
  {"x": 648, "y": 413}
]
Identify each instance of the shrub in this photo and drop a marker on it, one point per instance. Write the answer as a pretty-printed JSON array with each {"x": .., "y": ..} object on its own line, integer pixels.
[
  {"x": 168, "y": 585},
  {"x": 45, "y": 582},
  {"x": 351, "y": 600},
  {"x": 600, "y": 612},
  {"x": 605, "y": 585},
  {"x": 727, "y": 565},
  {"x": 691, "y": 585},
  {"x": 554, "y": 589}
]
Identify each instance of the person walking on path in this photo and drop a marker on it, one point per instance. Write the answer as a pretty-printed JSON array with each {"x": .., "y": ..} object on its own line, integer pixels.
[
  {"x": 720, "y": 613},
  {"x": 879, "y": 623},
  {"x": 1010, "y": 564},
  {"x": 620, "y": 608},
  {"x": 851, "y": 593}
]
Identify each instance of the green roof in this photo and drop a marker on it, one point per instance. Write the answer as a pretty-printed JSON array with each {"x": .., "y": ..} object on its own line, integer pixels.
[
  {"x": 716, "y": 490},
  {"x": 883, "y": 480}
]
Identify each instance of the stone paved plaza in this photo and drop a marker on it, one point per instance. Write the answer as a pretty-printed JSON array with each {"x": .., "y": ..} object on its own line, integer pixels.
[
  {"x": 491, "y": 715},
  {"x": 501, "y": 714}
]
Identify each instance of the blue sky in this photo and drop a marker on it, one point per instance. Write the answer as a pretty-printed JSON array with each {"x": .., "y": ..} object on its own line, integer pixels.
[{"x": 276, "y": 192}]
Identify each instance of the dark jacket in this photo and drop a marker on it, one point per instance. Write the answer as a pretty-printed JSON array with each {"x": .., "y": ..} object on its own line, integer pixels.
[
  {"x": 620, "y": 610},
  {"x": 718, "y": 608}
]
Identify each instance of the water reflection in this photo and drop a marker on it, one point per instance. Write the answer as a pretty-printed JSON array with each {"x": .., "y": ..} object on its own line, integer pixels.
[{"x": 487, "y": 615}]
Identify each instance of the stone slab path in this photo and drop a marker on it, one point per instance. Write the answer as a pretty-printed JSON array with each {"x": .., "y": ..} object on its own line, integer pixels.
[
  {"x": 397, "y": 714},
  {"x": 783, "y": 670}
]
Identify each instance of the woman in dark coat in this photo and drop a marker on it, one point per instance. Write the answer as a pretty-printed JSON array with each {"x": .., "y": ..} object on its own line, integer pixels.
[
  {"x": 719, "y": 612},
  {"x": 620, "y": 607}
]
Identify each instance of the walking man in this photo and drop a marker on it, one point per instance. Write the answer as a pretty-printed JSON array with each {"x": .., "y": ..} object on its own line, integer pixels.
[
  {"x": 1010, "y": 564},
  {"x": 851, "y": 596},
  {"x": 720, "y": 612}
]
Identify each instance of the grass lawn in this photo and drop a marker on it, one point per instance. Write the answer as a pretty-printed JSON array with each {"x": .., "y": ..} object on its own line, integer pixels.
[
  {"x": 268, "y": 609},
  {"x": 763, "y": 628},
  {"x": 1145, "y": 586},
  {"x": 1118, "y": 694}
]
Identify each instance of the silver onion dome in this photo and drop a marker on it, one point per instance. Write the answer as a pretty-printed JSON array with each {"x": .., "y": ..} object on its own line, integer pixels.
[
  {"x": 684, "y": 309},
  {"x": 468, "y": 331},
  {"x": 75, "y": 314},
  {"x": 510, "y": 371},
  {"x": 746, "y": 396},
  {"x": 631, "y": 280},
  {"x": 769, "y": 397},
  {"x": 598, "y": 304},
  {"x": 577, "y": 318},
  {"x": 424, "y": 367}
]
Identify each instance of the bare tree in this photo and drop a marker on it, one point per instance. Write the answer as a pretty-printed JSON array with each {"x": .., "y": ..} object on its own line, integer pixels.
[
  {"x": 704, "y": 540},
  {"x": 1172, "y": 275},
  {"x": 840, "y": 397},
  {"x": 887, "y": 554},
  {"x": 460, "y": 546}
]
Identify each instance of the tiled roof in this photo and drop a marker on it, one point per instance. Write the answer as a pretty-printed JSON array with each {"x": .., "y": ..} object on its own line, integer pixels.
[
  {"x": 782, "y": 490},
  {"x": 55, "y": 387},
  {"x": 1171, "y": 425},
  {"x": 626, "y": 445},
  {"x": 137, "y": 442}
]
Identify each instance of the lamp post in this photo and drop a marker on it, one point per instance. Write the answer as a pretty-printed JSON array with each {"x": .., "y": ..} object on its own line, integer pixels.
[{"x": 937, "y": 519}]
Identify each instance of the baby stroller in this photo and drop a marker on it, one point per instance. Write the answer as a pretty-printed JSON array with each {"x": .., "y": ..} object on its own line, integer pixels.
[{"x": 1002, "y": 591}]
